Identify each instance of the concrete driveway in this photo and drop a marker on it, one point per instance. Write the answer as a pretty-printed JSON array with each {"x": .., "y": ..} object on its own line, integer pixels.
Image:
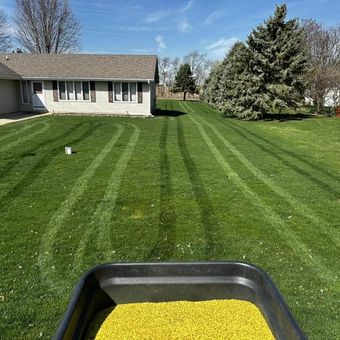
[{"x": 19, "y": 116}]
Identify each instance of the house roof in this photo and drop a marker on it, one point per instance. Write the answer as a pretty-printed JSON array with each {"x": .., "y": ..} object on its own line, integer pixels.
[
  {"x": 6, "y": 73},
  {"x": 80, "y": 66}
]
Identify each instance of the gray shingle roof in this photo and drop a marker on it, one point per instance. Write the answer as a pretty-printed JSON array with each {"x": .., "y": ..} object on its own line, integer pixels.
[
  {"x": 80, "y": 66},
  {"x": 6, "y": 73}
]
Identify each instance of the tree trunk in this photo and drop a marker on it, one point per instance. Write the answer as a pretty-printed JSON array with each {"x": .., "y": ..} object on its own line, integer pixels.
[
  {"x": 184, "y": 95},
  {"x": 317, "y": 106}
]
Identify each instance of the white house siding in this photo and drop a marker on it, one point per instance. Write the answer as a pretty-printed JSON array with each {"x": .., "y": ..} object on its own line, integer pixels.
[
  {"x": 102, "y": 104},
  {"x": 8, "y": 96},
  {"x": 333, "y": 98}
]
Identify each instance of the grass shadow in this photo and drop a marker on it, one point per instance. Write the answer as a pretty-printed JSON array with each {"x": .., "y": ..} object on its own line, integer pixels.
[
  {"x": 204, "y": 203},
  {"x": 168, "y": 113},
  {"x": 283, "y": 117},
  {"x": 165, "y": 243}
]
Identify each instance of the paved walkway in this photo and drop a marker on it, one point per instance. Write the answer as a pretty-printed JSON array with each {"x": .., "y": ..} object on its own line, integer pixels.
[{"x": 19, "y": 116}]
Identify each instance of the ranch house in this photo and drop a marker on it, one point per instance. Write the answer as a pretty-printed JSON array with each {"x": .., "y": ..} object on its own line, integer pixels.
[{"x": 78, "y": 83}]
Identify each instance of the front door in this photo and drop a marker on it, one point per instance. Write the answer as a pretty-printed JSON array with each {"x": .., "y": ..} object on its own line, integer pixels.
[{"x": 38, "y": 95}]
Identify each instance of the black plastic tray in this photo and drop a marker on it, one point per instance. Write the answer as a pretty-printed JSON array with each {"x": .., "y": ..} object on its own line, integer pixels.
[{"x": 119, "y": 283}]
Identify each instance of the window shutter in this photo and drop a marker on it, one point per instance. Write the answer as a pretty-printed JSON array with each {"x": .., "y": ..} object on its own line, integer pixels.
[
  {"x": 93, "y": 91},
  {"x": 110, "y": 89},
  {"x": 55, "y": 90},
  {"x": 140, "y": 92}
]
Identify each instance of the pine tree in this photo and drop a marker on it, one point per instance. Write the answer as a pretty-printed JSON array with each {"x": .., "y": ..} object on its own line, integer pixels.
[
  {"x": 262, "y": 75},
  {"x": 211, "y": 86},
  {"x": 277, "y": 63},
  {"x": 234, "y": 75},
  {"x": 184, "y": 81}
]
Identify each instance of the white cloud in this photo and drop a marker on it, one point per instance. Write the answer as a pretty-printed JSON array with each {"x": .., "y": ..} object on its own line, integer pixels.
[
  {"x": 219, "y": 48},
  {"x": 184, "y": 26},
  {"x": 160, "y": 42},
  {"x": 156, "y": 16},
  {"x": 213, "y": 17},
  {"x": 187, "y": 6}
]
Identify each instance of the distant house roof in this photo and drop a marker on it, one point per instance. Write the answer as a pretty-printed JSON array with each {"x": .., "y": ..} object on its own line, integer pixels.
[{"x": 80, "y": 66}]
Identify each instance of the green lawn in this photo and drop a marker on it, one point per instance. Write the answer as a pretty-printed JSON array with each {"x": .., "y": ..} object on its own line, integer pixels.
[{"x": 187, "y": 185}]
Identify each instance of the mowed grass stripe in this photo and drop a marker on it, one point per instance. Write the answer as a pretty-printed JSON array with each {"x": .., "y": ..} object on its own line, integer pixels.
[
  {"x": 315, "y": 175},
  {"x": 24, "y": 128},
  {"x": 325, "y": 228},
  {"x": 320, "y": 269},
  {"x": 20, "y": 140},
  {"x": 164, "y": 244},
  {"x": 175, "y": 239},
  {"x": 30, "y": 167},
  {"x": 205, "y": 205},
  {"x": 166, "y": 238},
  {"x": 297, "y": 205},
  {"x": 33, "y": 173},
  {"x": 215, "y": 231},
  {"x": 102, "y": 218},
  {"x": 290, "y": 159},
  {"x": 45, "y": 258}
]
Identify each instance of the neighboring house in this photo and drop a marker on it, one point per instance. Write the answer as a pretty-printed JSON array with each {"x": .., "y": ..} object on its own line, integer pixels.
[
  {"x": 332, "y": 98},
  {"x": 78, "y": 83}
]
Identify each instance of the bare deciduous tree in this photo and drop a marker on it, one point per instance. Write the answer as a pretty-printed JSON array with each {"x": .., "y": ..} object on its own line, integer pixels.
[
  {"x": 175, "y": 63},
  {"x": 164, "y": 65},
  {"x": 168, "y": 68},
  {"x": 323, "y": 47},
  {"x": 47, "y": 26},
  {"x": 198, "y": 63},
  {"x": 5, "y": 37}
]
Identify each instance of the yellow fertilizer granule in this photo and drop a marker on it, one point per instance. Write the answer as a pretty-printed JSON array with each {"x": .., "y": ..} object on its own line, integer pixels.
[{"x": 216, "y": 319}]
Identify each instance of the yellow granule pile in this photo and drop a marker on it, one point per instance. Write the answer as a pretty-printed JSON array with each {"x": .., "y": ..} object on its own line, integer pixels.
[{"x": 217, "y": 319}]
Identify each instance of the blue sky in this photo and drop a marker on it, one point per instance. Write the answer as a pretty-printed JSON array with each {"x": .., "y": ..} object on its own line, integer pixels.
[{"x": 176, "y": 27}]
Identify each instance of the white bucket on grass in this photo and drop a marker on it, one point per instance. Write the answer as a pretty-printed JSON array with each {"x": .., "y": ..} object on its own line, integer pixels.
[{"x": 68, "y": 150}]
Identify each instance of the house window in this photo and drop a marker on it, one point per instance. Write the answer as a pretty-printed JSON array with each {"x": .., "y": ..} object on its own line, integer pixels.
[
  {"x": 118, "y": 92},
  {"x": 86, "y": 90},
  {"x": 125, "y": 87},
  {"x": 25, "y": 86},
  {"x": 133, "y": 91},
  {"x": 62, "y": 90},
  {"x": 126, "y": 92},
  {"x": 77, "y": 90},
  {"x": 70, "y": 93},
  {"x": 74, "y": 90}
]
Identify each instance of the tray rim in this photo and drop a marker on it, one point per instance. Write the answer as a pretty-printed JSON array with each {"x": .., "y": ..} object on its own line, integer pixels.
[{"x": 83, "y": 279}]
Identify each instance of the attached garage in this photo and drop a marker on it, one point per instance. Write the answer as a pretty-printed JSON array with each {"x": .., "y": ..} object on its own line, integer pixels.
[{"x": 8, "y": 90}]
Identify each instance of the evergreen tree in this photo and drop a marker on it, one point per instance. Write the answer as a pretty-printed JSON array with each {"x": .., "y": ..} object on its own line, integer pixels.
[
  {"x": 277, "y": 63},
  {"x": 211, "y": 86},
  {"x": 234, "y": 76},
  {"x": 184, "y": 81},
  {"x": 246, "y": 100},
  {"x": 262, "y": 75}
]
